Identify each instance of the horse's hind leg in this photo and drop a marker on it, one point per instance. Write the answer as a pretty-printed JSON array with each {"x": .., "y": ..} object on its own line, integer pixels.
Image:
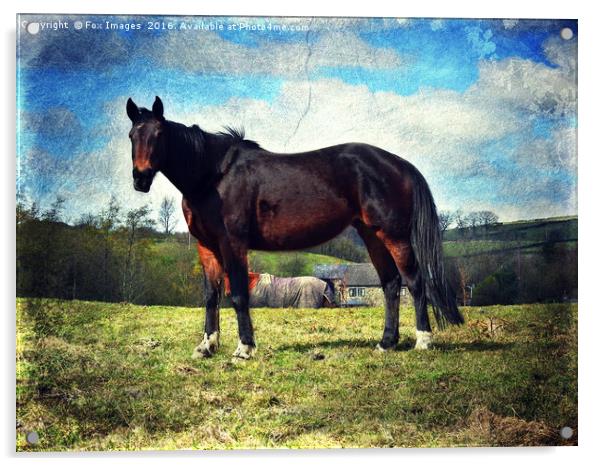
[
  {"x": 402, "y": 254},
  {"x": 391, "y": 284},
  {"x": 213, "y": 290}
]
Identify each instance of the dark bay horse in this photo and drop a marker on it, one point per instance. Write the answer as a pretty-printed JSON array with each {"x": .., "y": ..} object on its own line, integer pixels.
[{"x": 238, "y": 196}]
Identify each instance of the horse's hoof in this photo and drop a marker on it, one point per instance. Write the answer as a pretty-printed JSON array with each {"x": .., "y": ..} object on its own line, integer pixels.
[
  {"x": 384, "y": 349},
  {"x": 244, "y": 351},
  {"x": 208, "y": 346},
  {"x": 424, "y": 340},
  {"x": 387, "y": 344},
  {"x": 200, "y": 353}
]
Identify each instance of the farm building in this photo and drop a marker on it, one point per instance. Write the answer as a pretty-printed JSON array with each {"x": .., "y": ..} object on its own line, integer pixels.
[{"x": 356, "y": 284}]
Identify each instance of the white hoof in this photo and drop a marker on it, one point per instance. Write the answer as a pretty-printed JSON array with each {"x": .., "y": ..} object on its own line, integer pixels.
[
  {"x": 244, "y": 351},
  {"x": 208, "y": 346},
  {"x": 381, "y": 349},
  {"x": 424, "y": 340}
]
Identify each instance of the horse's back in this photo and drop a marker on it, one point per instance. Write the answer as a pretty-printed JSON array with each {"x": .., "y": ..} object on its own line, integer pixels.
[{"x": 301, "y": 199}]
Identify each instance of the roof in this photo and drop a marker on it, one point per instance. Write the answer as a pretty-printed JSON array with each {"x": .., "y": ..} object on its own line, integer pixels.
[
  {"x": 361, "y": 275},
  {"x": 333, "y": 272},
  {"x": 351, "y": 274}
]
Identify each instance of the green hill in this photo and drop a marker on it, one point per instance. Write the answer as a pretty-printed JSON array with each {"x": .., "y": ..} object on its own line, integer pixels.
[
  {"x": 284, "y": 264},
  {"x": 529, "y": 236},
  {"x": 289, "y": 264}
]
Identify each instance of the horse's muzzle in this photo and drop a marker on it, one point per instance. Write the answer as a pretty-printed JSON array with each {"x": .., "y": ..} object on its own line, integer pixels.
[{"x": 143, "y": 180}]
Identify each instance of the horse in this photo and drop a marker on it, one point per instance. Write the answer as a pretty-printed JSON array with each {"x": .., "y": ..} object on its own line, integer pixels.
[
  {"x": 266, "y": 290},
  {"x": 238, "y": 196}
]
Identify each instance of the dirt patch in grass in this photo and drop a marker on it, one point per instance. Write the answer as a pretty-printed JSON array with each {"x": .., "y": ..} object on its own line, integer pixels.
[{"x": 507, "y": 431}]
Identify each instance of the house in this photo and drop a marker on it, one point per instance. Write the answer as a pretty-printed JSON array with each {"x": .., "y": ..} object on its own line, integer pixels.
[{"x": 356, "y": 284}]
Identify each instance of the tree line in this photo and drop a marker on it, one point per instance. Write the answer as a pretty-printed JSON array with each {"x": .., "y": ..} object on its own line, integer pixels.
[
  {"x": 114, "y": 255},
  {"x": 134, "y": 255},
  {"x": 467, "y": 223}
]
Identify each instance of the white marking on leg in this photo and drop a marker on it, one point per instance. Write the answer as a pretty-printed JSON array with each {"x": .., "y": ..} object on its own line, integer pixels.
[
  {"x": 208, "y": 346},
  {"x": 244, "y": 351},
  {"x": 424, "y": 340},
  {"x": 381, "y": 349}
]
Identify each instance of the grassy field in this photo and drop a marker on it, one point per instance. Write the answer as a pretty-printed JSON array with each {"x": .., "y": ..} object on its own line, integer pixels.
[{"x": 96, "y": 376}]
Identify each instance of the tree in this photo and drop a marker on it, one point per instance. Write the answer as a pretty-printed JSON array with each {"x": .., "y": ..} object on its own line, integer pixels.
[
  {"x": 56, "y": 210},
  {"x": 473, "y": 220},
  {"x": 136, "y": 220},
  {"x": 487, "y": 218},
  {"x": 460, "y": 221},
  {"x": 109, "y": 221},
  {"x": 167, "y": 212},
  {"x": 446, "y": 218}
]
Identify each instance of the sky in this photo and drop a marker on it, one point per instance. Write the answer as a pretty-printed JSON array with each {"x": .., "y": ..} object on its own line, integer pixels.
[{"x": 485, "y": 109}]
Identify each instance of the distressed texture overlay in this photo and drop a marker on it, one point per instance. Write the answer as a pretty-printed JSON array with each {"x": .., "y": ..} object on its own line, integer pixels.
[
  {"x": 486, "y": 109},
  {"x": 109, "y": 285}
]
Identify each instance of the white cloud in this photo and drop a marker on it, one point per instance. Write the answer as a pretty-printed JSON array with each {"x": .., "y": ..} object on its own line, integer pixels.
[
  {"x": 533, "y": 87},
  {"x": 335, "y": 48}
]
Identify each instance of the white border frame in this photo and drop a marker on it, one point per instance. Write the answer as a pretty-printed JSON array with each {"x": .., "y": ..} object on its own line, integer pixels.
[{"x": 589, "y": 192}]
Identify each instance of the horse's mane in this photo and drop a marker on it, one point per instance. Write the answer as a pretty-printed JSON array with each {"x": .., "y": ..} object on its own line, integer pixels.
[
  {"x": 200, "y": 155},
  {"x": 195, "y": 137},
  {"x": 237, "y": 135}
]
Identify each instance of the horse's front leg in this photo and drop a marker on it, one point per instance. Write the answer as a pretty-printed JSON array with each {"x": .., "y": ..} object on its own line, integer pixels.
[
  {"x": 213, "y": 292},
  {"x": 237, "y": 270}
]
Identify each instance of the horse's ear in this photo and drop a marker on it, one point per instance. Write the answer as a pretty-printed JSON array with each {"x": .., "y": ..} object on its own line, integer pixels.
[
  {"x": 132, "y": 110},
  {"x": 158, "y": 108}
]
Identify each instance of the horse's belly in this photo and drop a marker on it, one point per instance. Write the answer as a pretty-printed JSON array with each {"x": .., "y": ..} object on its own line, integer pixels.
[{"x": 298, "y": 228}]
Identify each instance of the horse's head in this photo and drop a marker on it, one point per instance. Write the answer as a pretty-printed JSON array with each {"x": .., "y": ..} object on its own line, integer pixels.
[{"x": 149, "y": 148}]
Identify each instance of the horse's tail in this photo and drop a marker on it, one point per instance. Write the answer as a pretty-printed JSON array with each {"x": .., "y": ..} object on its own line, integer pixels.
[{"x": 426, "y": 244}]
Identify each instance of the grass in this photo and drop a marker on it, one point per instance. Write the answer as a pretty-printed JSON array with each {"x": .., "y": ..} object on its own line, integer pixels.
[
  {"x": 468, "y": 247},
  {"x": 279, "y": 263},
  {"x": 476, "y": 247},
  {"x": 97, "y": 376}
]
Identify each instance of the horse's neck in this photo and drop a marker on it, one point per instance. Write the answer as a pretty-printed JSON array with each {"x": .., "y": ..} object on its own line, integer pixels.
[{"x": 192, "y": 162}]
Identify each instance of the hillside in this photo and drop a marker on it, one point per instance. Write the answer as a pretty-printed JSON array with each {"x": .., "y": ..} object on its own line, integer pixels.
[
  {"x": 276, "y": 263},
  {"x": 528, "y": 236}
]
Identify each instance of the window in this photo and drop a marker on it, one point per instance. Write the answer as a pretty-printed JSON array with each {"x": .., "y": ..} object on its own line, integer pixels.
[{"x": 355, "y": 292}]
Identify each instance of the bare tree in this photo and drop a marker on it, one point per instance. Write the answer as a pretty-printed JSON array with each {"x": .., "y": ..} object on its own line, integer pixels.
[
  {"x": 473, "y": 220},
  {"x": 136, "y": 220},
  {"x": 460, "y": 220},
  {"x": 167, "y": 215},
  {"x": 446, "y": 218},
  {"x": 487, "y": 218},
  {"x": 109, "y": 220},
  {"x": 55, "y": 212}
]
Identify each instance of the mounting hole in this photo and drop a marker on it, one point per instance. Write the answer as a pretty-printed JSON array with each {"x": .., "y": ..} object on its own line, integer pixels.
[
  {"x": 566, "y": 432},
  {"x": 33, "y": 28},
  {"x": 566, "y": 33},
  {"x": 32, "y": 437}
]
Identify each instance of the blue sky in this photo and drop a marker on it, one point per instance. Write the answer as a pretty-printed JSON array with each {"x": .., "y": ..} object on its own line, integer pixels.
[{"x": 486, "y": 109}]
